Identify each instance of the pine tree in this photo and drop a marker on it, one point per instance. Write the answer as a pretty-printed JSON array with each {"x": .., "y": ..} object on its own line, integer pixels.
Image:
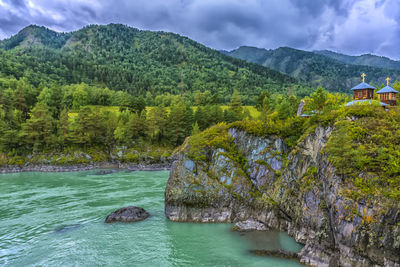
[
  {"x": 122, "y": 134},
  {"x": 318, "y": 100},
  {"x": 236, "y": 103},
  {"x": 38, "y": 130},
  {"x": 156, "y": 122},
  {"x": 63, "y": 128},
  {"x": 177, "y": 124},
  {"x": 195, "y": 129}
]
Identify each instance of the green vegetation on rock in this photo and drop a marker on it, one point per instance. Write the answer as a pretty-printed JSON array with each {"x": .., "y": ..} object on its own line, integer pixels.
[{"x": 364, "y": 147}]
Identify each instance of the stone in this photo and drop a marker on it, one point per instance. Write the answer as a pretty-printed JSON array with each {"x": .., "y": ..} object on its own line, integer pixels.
[
  {"x": 300, "y": 108},
  {"x": 127, "y": 214},
  {"x": 249, "y": 225}
]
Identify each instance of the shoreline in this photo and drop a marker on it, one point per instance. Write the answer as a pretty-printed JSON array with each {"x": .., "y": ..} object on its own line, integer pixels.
[{"x": 85, "y": 167}]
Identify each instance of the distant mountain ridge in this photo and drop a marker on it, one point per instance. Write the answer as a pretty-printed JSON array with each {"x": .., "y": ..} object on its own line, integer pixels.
[
  {"x": 133, "y": 60},
  {"x": 331, "y": 70},
  {"x": 364, "y": 60}
]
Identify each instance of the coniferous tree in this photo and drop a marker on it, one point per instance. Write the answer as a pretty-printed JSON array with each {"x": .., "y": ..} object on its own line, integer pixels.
[
  {"x": 63, "y": 128},
  {"x": 178, "y": 121},
  {"x": 82, "y": 127},
  {"x": 195, "y": 129},
  {"x": 236, "y": 103},
  {"x": 156, "y": 123},
  {"x": 38, "y": 130},
  {"x": 123, "y": 134}
]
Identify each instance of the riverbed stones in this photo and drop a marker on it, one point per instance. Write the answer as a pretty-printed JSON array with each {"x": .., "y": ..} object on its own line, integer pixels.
[
  {"x": 249, "y": 225},
  {"x": 127, "y": 214}
]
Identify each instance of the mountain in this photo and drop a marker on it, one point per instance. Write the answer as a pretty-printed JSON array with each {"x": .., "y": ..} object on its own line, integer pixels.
[
  {"x": 315, "y": 68},
  {"x": 35, "y": 35},
  {"x": 365, "y": 60},
  {"x": 132, "y": 60}
]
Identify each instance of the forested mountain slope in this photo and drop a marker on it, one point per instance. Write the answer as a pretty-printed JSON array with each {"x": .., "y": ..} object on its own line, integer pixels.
[
  {"x": 135, "y": 61},
  {"x": 314, "y": 68}
]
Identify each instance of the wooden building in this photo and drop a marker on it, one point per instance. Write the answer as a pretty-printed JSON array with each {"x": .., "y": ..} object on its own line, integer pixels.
[
  {"x": 364, "y": 94},
  {"x": 387, "y": 94},
  {"x": 363, "y": 90}
]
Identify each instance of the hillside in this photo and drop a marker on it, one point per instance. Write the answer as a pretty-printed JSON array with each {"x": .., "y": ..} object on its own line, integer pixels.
[
  {"x": 365, "y": 60},
  {"x": 315, "y": 68},
  {"x": 132, "y": 60}
]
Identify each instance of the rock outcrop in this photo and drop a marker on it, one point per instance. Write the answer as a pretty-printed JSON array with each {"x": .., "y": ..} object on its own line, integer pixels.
[
  {"x": 293, "y": 190},
  {"x": 127, "y": 214},
  {"x": 249, "y": 225}
]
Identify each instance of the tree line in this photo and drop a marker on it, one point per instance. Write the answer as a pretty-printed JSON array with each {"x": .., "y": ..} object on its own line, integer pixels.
[{"x": 40, "y": 119}]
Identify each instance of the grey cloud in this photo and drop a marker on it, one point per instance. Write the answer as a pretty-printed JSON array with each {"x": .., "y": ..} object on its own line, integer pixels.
[{"x": 227, "y": 24}]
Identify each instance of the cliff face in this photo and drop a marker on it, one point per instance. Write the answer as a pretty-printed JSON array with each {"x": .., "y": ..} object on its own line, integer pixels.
[{"x": 296, "y": 191}]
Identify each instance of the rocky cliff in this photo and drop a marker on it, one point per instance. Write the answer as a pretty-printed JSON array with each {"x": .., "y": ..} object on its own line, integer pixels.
[{"x": 293, "y": 190}]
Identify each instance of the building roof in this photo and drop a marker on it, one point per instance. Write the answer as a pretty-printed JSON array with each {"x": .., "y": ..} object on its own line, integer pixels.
[
  {"x": 363, "y": 85},
  {"x": 364, "y": 102},
  {"x": 387, "y": 89}
]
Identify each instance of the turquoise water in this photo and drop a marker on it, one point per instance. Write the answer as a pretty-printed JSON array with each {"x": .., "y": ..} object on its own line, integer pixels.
[{"x": 56, "y": 219}]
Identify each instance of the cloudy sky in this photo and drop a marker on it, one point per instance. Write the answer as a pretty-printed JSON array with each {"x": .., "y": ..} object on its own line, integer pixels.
[{"x": 348, "y": 26}]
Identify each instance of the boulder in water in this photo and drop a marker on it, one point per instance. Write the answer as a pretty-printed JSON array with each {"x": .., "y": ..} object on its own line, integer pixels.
[{"x": 127, "y": 214}]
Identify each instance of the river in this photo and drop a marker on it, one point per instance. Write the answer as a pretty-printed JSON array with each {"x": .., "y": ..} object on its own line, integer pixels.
[{"x": 57, "y": 219}]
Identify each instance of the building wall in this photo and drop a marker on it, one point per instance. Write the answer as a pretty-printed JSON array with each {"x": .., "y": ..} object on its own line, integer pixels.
[
  {"x": 388, "y": 98},
  {"x": 363, "y": 94}
]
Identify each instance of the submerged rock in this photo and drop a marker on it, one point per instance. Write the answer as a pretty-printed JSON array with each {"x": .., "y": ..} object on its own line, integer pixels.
[
  {"x": 127, "y": 214},
  {"x": 67, "y": 228},
  {"x": 249, "y": 225},
  {"x": 276, "y": 253},
  {"x": 104, "y": 172}
]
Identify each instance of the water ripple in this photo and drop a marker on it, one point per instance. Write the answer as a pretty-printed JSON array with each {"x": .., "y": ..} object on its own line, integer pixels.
[{"x": 57, "y": 219}]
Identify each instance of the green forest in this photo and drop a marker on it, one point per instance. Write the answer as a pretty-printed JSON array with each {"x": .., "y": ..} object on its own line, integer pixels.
[
  {"x": 138, "y": 62},
  {"x": 106, "y": 92},
  {"x": 63, "y": 119}
]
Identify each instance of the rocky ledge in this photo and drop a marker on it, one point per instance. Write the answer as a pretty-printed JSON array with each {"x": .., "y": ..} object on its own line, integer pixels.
[
  {"x": 249, "y": 225},
  {"x": 127, "y": 214},
  {"x": 293, "y": 190}
]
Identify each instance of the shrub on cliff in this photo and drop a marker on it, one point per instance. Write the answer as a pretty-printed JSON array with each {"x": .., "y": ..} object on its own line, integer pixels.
[{"x": 364, "y": 148}]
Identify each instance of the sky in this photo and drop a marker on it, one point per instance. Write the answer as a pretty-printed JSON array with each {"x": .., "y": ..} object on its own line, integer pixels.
[{"x": 347, "y": 26}]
